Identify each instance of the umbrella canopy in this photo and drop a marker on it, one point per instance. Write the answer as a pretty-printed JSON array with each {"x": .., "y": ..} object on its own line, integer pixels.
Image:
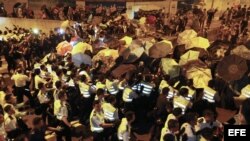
[
  {"x": 185, "y": 36},
  {"x": 64, "y": 47},
  {"x": 81, "y": 48},
  {"x": 127, "y": 39},
  {"x": 170, "y": 67},
  {"x": 131, "y": 54},
  {"x": 123, "y": 69},
  {"x": 142, "y": 20},
  {"x": 200, "y": 76},
  {"x": 242, "y": 51},
  {"x": 81, "y": 58},
  {"x": 218, "y": 49},
  {"x": 75, "y": 40},
  {"x": 161, "y": 49},
  {"x": 232, "y": 68},
  {"x": 189, "y": 56},
  {"x": 65, "y": 24},
  {"x": 108, "y": 57},
  {"x": 198, "y": 42}
]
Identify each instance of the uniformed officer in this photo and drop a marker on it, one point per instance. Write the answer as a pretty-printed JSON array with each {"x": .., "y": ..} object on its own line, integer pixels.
[
  {"x": 97, "y": 122},
  {"x": 85, "y": 89},
  {"x": 124, "y": 129},
  {"x": 128, "y": 96},
  {"x": 110, "y": 111},
  {"x": 146, "y": 86},
  {"x": 181, "y": 101},
  {"x": 112, "y": 86},
  {"x": 188, "y": 128},
  {"x": 209, "y": 94}
]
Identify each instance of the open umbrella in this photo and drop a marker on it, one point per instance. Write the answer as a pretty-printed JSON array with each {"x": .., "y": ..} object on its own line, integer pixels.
[
  {"x": 75, "y": 40},
  {"x": 123, "y": 69},
  {"x": 131, "y": 54},
  {"x": 218, "y": 49},
  {"x": 128, "y": 40},
  {"x": 161, "y": 49},
  {"x": 242, "y": 51},
  {"x": 189, "y": 56},
  {"x": 200, "y": 76},
  {"x": 170, "y": 67},
  {"x": 108, "y": 57},
  {"x": 65, "y": 24},
  {"x": 185, "y": 36},
  {"x": 63, "y": 48},
  {"x": 81, "y": 48},
  {"x": 198, "y": 42},
  {"x": 81, "y": 58},
  {"x": 232, "y": 68}
]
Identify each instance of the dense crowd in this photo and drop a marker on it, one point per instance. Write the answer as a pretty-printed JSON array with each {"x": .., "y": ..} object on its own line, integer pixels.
[{"x": 111, "y": 90}]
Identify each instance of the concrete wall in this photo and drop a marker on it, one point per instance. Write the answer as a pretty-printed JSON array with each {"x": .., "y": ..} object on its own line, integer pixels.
[{"x": 44, "y": 25}]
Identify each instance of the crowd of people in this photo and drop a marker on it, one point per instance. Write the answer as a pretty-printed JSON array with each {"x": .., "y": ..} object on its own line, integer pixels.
[{"x": 112, "y": 104}]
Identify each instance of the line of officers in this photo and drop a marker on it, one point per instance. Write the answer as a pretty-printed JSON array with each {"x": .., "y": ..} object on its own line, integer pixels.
[{"x": 104, "y": 115}]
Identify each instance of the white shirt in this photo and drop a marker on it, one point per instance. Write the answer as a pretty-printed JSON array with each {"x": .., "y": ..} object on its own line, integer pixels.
[
  {"x": 124, "y": 130},
  {"x": 20, "y": 79},
  {"x": 10, "y": 123},
  {"x": 96, "y": 119},
  {"x": 62, "y": 112},
  {"x": 38, "y": 80}
]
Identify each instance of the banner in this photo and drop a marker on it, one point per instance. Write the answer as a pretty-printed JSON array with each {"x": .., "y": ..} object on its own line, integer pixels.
[{"x": 119, "y": 5}]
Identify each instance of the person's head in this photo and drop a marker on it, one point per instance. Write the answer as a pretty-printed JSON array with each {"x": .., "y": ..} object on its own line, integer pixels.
[
  {"x": 208, "y": 115},
  {"x": 62, "y": 96},
  {"x": 207, "y": 133},
  {"x": 177, "y": 112},
  {"x": 169, "y": 137},
  {"x": 191, "y": 118},
  {"x": 37, "y": 72},
  {"x": 97, "y": 105},
  {"x": 245, "y": 112},
  {"x": 41, "y": 86},
  {"x": 10, "y": 98},
  {"x": 83, "y": 78},
  {"x": 130, "y": 116},
  {"x": 9, "y": 109},
  {"x": 173, "y": 125},
  {"x": 111, "y": 99},
  {"x": 58, "y": 84},
  {"x": 100, "y": 93},
  {"x": 42, "y": 67},
  {"x": 165, "y": 91},
  {"x": 183, "y": 92},
  {"x": 38, "y": 122}
]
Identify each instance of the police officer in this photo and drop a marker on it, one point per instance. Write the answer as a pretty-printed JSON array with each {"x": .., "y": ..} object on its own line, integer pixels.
[
  {"x": 128, "y": 96},
  {"x": 146, "y": 86},
  {"x": 112, "y": 86},
  {"x": 124, "y": 129},
  {"x": 181, "y": 101},
  {"x": 110, "y": 111},
  {"x": 97, "y": 122}
]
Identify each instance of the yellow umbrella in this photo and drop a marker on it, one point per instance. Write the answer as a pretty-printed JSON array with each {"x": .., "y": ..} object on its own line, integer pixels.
[
  {"x": 185, "y": 36},
  {"x": 65, "y": 24},
  {"x": 81, "y": 48},
  {"x": 127, "y": 39},
  {"x": 63, "y": 48},
  {"x": 170, "y": 67},
  {"x": 200, "y": 76},
  {"x": 198, "y": 42},
  {"x": 189, "y": 56},
  {"x": 142, "y": 20}
]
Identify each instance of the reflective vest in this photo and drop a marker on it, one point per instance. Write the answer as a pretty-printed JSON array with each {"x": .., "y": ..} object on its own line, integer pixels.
[
  {"x": 84, "y": 89},
  {"x": 71, "y": 83},
  {"x": 111, "y": 87},
  {"x": 123, "y": 130},
  {"x": 172, "y": 92},
  {"x": 208, "y": 94},
  {"x": 181, "y": 102},
  {"x": 146, "y": 88},
  {"x": 246, "y": 91},
  {"x": 96, "y": 118},
  {"x": 99, "y": 85},
  {"x": 163, "y": 85},
  {"x": 126, "y": 95},
  {"x": 109, "y": 111},
  {"x": 121, "y": 85}
]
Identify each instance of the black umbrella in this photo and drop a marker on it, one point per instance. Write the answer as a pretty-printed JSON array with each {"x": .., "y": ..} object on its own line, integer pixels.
[
  {"x": 232, "y": 68},
  {"x": 218, "y": 50}
]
